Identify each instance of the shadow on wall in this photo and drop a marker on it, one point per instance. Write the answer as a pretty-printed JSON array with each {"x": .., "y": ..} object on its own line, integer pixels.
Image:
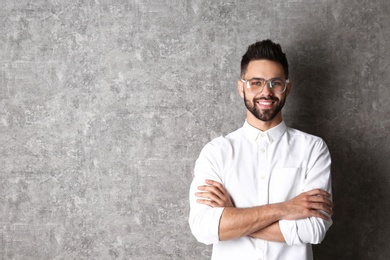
[{"x": 324, "y": 104}]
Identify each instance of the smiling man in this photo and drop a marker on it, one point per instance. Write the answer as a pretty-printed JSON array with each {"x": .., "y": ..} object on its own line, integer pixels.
[{"x": 263, "y": 191}]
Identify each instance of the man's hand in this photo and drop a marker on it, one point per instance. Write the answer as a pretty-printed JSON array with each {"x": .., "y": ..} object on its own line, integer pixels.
[
  {"x": 214, "y": 195},
  {"x": 308, "y": 204}
]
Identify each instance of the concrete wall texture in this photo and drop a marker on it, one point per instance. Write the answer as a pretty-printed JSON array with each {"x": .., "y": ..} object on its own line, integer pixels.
[{"x": 105, "y": 105}]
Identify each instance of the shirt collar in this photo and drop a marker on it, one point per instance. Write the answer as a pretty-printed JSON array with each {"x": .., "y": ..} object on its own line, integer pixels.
[{"x": 271, "y": 135}]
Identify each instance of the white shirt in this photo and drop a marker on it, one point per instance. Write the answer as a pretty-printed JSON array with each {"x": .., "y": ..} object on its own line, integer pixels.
[{"x": 259, "y": 168}]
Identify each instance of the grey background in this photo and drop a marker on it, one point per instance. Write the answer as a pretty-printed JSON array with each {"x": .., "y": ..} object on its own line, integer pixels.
[{"x": 105, "y": 105}]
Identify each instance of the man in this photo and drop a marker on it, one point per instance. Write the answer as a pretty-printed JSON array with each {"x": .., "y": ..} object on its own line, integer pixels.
[{"x": 263, "y": 191}]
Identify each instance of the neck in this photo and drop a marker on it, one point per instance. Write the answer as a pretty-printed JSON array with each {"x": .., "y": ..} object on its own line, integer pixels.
[{"x": 263, "y": 125}]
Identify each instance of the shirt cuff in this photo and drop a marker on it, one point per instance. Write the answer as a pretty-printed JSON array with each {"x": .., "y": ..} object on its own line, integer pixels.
[
  {"x": 205, "y": 225},
  {"x": 217, "y": 213},
  {"x": 290, "y": 232}
]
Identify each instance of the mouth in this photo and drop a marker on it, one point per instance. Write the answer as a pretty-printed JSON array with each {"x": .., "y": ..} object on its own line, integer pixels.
[{"x": 265, "y": 103}]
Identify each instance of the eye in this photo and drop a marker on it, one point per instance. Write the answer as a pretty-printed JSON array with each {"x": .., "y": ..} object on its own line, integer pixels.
[
  {"x": 256, "y": 83},
  {"x": 277, "y": 83}
]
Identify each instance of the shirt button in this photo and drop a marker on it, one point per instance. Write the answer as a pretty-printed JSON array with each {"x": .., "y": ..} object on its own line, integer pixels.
[
  {"x": 271, "y": 140},
  {"x": 262, "y": 135},
  {"x": 262, "y": 150},
  {"x": 262, "y": 177}
]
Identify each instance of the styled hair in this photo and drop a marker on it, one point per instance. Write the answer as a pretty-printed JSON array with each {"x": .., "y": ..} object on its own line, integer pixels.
[{"x": 264, "y": 50}]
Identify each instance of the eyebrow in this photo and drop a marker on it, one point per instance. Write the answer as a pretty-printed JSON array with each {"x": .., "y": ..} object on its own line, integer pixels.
[{"x": 265, "y": 79}]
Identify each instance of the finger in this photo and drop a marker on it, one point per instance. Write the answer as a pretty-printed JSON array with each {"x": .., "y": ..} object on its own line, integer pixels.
[
  {"x": 210, "y": 203},
  {"x": 217, "y": 192},
  {"x": 321, "y": 206},
  {"x": 316, "y": 198},
  {"x": 321, "y": 199},
  {"x": 318, "y": 192},
  {"x": 318, "y": 214},
  {"x": 212, "y": 189},
  {"x": 215, "y": 184},
  {"x": 329, "y": 211},
  {"x": 207, "y": 202},
  {"x": 210, "y": 196},
  {"x": 219, "y": 186}
]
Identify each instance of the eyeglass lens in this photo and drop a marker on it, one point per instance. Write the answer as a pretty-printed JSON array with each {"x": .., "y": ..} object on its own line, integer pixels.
[{"x": 275, "y": 85}]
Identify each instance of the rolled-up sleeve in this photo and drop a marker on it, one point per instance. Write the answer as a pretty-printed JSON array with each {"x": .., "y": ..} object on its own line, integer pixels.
[
  {"x": 311, "y": 230},
  {"x": 205, "y": 223},
  {"x": 204, "y": 220}
]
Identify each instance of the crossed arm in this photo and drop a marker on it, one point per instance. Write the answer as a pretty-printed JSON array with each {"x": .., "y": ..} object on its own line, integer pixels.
[{"x": 262, "y": 221}]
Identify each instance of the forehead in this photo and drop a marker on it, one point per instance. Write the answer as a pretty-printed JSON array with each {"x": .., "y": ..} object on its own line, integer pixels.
[{"x": 264, "y": 69}]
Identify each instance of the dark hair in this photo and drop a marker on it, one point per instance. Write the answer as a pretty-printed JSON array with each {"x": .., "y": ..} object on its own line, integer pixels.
[{"x": 264, "y": 50}]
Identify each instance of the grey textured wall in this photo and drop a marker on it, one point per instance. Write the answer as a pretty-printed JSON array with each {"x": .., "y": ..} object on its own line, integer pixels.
[{"x": 105, "y": 105}]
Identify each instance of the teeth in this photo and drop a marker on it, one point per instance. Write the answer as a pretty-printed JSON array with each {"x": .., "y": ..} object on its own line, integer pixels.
[{"x": 265, "y": 103}]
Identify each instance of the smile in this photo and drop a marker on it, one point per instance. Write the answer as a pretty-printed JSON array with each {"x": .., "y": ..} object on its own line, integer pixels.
[{"x": 265, "y": 103}]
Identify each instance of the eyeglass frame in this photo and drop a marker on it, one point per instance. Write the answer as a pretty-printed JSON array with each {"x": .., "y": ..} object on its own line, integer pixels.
[{"x": 268, "y": 81}]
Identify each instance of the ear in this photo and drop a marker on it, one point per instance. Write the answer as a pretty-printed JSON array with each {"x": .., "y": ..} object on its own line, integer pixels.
[{"x": 240, "y": 87}]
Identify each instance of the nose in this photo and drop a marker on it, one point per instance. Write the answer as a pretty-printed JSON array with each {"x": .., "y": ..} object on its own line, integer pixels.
[{"x": 267, "y": 88}]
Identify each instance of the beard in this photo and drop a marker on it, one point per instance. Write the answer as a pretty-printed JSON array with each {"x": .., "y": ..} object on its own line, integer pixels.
[{"x": 265, "y": 114}]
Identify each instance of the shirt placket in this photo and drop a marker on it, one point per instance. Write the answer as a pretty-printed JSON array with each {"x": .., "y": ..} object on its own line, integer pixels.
[
  {"x": 262, "y": 142},
  {"x": 263, "y": 198},
  {"x": 260, "y": 249}
]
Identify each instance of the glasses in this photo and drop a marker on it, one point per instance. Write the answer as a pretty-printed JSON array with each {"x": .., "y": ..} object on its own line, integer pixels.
[{"x": 256, "y": 85}]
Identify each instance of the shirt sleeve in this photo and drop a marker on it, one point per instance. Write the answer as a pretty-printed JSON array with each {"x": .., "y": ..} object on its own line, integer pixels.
[
  {"x": 204, "y": 220},
  {"x": 311, "y": 230}
]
